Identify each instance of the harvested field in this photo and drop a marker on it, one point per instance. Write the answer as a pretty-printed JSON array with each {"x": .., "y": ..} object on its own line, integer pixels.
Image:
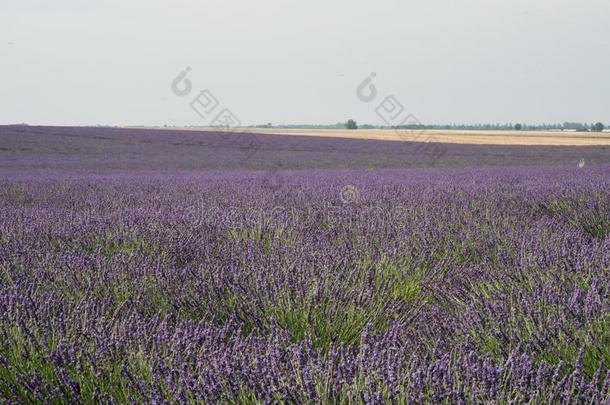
[{"x": 457, "y": 136}]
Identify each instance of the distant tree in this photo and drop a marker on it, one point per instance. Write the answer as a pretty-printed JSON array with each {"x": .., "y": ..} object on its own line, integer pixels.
[
  {"x": 351, "y": 124},
  {"x": 518, "y": 127},
  {"x": 573, "y": 125},
  {"x": 598, "y": 127}
]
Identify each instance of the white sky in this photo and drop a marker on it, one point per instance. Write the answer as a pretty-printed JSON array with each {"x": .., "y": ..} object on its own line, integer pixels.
[{"x": 288, "y": 61}]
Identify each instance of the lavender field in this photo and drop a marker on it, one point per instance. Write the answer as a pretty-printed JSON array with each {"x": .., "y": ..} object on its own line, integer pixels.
[{"x": 161, "y": 266}]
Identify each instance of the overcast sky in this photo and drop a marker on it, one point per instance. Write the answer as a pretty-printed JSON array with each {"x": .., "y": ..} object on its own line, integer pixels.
[{"x": 287, "y": 61}]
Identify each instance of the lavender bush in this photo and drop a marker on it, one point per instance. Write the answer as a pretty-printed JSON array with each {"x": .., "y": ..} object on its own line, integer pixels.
[{"x": 455, "y": 285}]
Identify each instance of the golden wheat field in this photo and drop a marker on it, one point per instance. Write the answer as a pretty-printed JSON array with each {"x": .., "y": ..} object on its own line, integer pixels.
[
  {"x": 483, "y": 137},
  {"x": 458, "y": 136}
]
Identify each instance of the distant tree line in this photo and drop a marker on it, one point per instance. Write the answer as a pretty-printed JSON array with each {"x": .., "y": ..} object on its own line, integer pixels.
[
  {"x": 566, "y": 126},
  {"x": 351, "y": 124}
]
